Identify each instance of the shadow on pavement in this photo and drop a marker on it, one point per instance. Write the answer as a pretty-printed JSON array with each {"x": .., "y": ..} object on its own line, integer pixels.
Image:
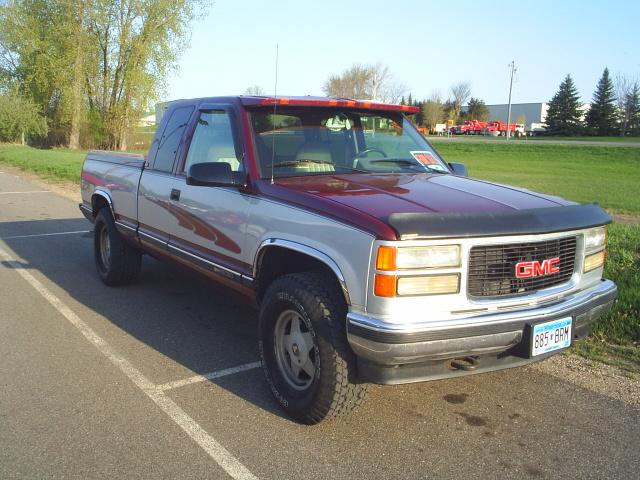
[{"x": 194, "y": 322}]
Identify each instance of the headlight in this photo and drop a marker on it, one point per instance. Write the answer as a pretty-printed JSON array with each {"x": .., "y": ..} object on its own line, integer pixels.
[
  {"x": 595, "y": 238},
  {"x": 440, "y": 256},
  {"x": 437, "y": 256}
]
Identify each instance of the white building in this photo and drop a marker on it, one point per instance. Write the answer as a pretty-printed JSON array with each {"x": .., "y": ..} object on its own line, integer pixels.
[{"x": 532, "y": 115}]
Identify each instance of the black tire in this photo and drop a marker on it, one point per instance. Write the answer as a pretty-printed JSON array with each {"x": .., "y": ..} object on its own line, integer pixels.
[
  {"x": 333, "y": 390},
  {"x": 121, "y": 265}
]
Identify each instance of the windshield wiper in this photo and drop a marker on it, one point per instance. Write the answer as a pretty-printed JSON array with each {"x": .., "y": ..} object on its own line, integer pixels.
[
  {"x": 409, "y": 163},
  {"x": 399, "y": 161},
  {"x": 293, "y": 163}
]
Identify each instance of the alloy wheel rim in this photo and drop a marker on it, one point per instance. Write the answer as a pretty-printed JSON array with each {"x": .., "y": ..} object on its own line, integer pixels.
[
  {"x": 105, "y": 248},
  {"x": 295, "y": 350}
]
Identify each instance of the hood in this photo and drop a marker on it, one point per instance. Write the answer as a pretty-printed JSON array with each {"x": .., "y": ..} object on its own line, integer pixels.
[
  {"x": 373, "y": 202},
  {"x": 383, "y": 195}
]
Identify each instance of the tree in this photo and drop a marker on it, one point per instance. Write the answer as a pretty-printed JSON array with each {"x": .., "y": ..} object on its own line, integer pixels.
[
  {"x": 601, "y": 117},
  {"x": 624, "y": 88},
  {"x": 449, "y": 111},
  {"x": 563, "y": 116},
  {"x": 38, "y": 47},
  {"x": 254, "y": 90},
  {"x": 460, "y": 93},
  {"x": 477, "y": 110},
  {"x": 20, "y": 118},
  {"x": 433, "y": 111},
  {"x": 100, "y": 63},
  {"x": 76, "y": 15},
  {"x": 633, "y": 109},
  {"x": 137, "y": 43},
  {"x": 373, "y": 82}
]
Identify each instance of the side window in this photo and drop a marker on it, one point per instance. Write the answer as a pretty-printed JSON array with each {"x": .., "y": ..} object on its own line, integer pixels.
[
  {"x": 170, "y": 140},
  {"x": 213, "y": 141}
]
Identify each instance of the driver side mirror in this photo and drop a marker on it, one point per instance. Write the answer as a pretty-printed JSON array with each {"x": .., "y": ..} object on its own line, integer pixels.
[
  {"x": 459, "y": 169},
  {"x": 211, "y": 174}
]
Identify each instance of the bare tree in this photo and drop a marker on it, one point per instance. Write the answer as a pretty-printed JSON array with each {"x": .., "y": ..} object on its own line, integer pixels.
[
  {"x": 623, "y": 89},
  {"x": 254, "y": 90},
  {"x": 433, "y": 110},
  {"x": 460, "y": 93},
  {"x": 383, "y": 86},
  {"x": 352, "y": 83},
  {"x": 372, "y": 82}
]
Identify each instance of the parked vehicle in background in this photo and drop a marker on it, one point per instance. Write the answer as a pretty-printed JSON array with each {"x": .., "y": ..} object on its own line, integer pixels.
[
  {"x": 372, "y": 259},
  {"x": 440, "y": 129},
  {"x": 501, "y": 128},
  {"x": 496, "y": 128},
  {"x": 469, "y": 127}
]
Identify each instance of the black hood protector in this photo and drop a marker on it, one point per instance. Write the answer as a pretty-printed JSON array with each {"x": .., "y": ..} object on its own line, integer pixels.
[{"x": 518, "y": 222}]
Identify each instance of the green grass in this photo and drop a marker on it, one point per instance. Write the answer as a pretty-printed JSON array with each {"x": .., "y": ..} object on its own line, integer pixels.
[
  {"x": 624, "y": 357},
  {"x": 542, "y": 138},
  {"x": 622, "y": 325},
  {"x": 583, "y": 173},
  {"x": 615, "y": 338},
  {"x": 54, "y": 164}
]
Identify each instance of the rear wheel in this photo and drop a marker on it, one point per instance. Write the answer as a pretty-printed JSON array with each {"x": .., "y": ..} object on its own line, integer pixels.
[
  {"x": 307, "y": 360},
  {"x": 117, "y": 262}
]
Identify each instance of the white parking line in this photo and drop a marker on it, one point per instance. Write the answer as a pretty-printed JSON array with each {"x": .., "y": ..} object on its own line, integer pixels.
[
  {"x": 209, "y": 376},
  {"x": 198, "y": 434},
  {"x": 30, "y": 191},
  {"x": 13, "y": 237}
]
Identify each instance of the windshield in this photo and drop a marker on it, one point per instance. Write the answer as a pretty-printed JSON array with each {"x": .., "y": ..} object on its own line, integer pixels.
[{"x": 324, "y": 141}]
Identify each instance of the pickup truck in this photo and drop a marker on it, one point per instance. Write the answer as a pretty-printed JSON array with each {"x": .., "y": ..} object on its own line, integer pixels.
[{"x": 372, "y": 260}]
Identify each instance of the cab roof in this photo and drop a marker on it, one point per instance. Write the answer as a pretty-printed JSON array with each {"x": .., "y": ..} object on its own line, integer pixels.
[
  {"x": 309, "y": 101},
  {"x": 295, "y": 101}
]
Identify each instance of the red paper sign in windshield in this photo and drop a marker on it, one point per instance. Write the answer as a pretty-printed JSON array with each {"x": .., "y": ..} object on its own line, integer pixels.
[{"x": 425, "y": 158}]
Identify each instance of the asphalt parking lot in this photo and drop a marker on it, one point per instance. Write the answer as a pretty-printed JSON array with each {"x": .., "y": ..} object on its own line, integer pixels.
[{"x": 161, "y": 380}]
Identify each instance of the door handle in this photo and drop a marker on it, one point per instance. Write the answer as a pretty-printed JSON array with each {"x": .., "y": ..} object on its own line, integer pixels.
[{"x": 175, "y": 194}]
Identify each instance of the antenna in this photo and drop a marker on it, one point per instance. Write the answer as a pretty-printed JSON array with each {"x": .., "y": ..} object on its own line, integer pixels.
[
  {"x": 275, "y": 104},
  {"x": 512, "y": 67}
]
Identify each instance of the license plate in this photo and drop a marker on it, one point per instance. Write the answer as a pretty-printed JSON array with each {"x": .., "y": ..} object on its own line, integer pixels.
[{"x": 550, "y": 336}]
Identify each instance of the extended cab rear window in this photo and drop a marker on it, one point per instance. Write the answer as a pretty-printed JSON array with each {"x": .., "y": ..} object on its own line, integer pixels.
[
  {"x": 299, "y": 141},
  {"x": 169, "y": 142}
]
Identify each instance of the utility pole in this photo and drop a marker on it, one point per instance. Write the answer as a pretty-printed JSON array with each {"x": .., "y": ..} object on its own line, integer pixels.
[{"x": 513, "y": 68}]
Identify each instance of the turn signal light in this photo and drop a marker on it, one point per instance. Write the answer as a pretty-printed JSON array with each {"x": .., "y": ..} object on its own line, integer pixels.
[{"x": 386, "y": 258}]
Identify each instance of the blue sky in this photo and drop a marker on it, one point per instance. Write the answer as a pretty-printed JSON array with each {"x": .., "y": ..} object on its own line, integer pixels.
[{"x": 427, "y": 45}]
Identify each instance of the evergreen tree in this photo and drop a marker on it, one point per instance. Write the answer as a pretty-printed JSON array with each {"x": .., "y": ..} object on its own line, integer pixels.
[
  {"x": 410, "y": 99},
  {"x": 601, "y": 117},
  {"x": 563, "y": 116},
  {"x": 633, "y": 105},
  {"x": 477, "y": 110}
]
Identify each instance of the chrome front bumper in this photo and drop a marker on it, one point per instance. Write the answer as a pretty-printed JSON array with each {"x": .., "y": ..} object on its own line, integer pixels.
[{"x": 386, "y": 344}]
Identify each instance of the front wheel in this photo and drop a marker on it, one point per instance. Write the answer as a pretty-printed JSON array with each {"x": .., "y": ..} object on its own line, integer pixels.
[
  {"x": 117, "y": 262},
  {"x": 306, "y": 358}
]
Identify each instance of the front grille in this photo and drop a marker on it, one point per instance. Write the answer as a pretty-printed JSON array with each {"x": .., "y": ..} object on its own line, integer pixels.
[{"x": 492, "y": 268}]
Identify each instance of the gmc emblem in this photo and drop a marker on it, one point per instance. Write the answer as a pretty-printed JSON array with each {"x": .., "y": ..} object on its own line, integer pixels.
[{"x": 536, "y": 268}]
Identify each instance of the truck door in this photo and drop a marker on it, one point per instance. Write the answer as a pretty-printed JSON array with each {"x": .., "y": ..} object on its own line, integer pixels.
[
  {"x": 210, "y": 231},
  {"x": 155, "y": 218}
]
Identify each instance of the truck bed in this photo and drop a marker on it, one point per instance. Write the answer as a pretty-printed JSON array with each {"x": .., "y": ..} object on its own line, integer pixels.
[{"x": 117, "y": 174}]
